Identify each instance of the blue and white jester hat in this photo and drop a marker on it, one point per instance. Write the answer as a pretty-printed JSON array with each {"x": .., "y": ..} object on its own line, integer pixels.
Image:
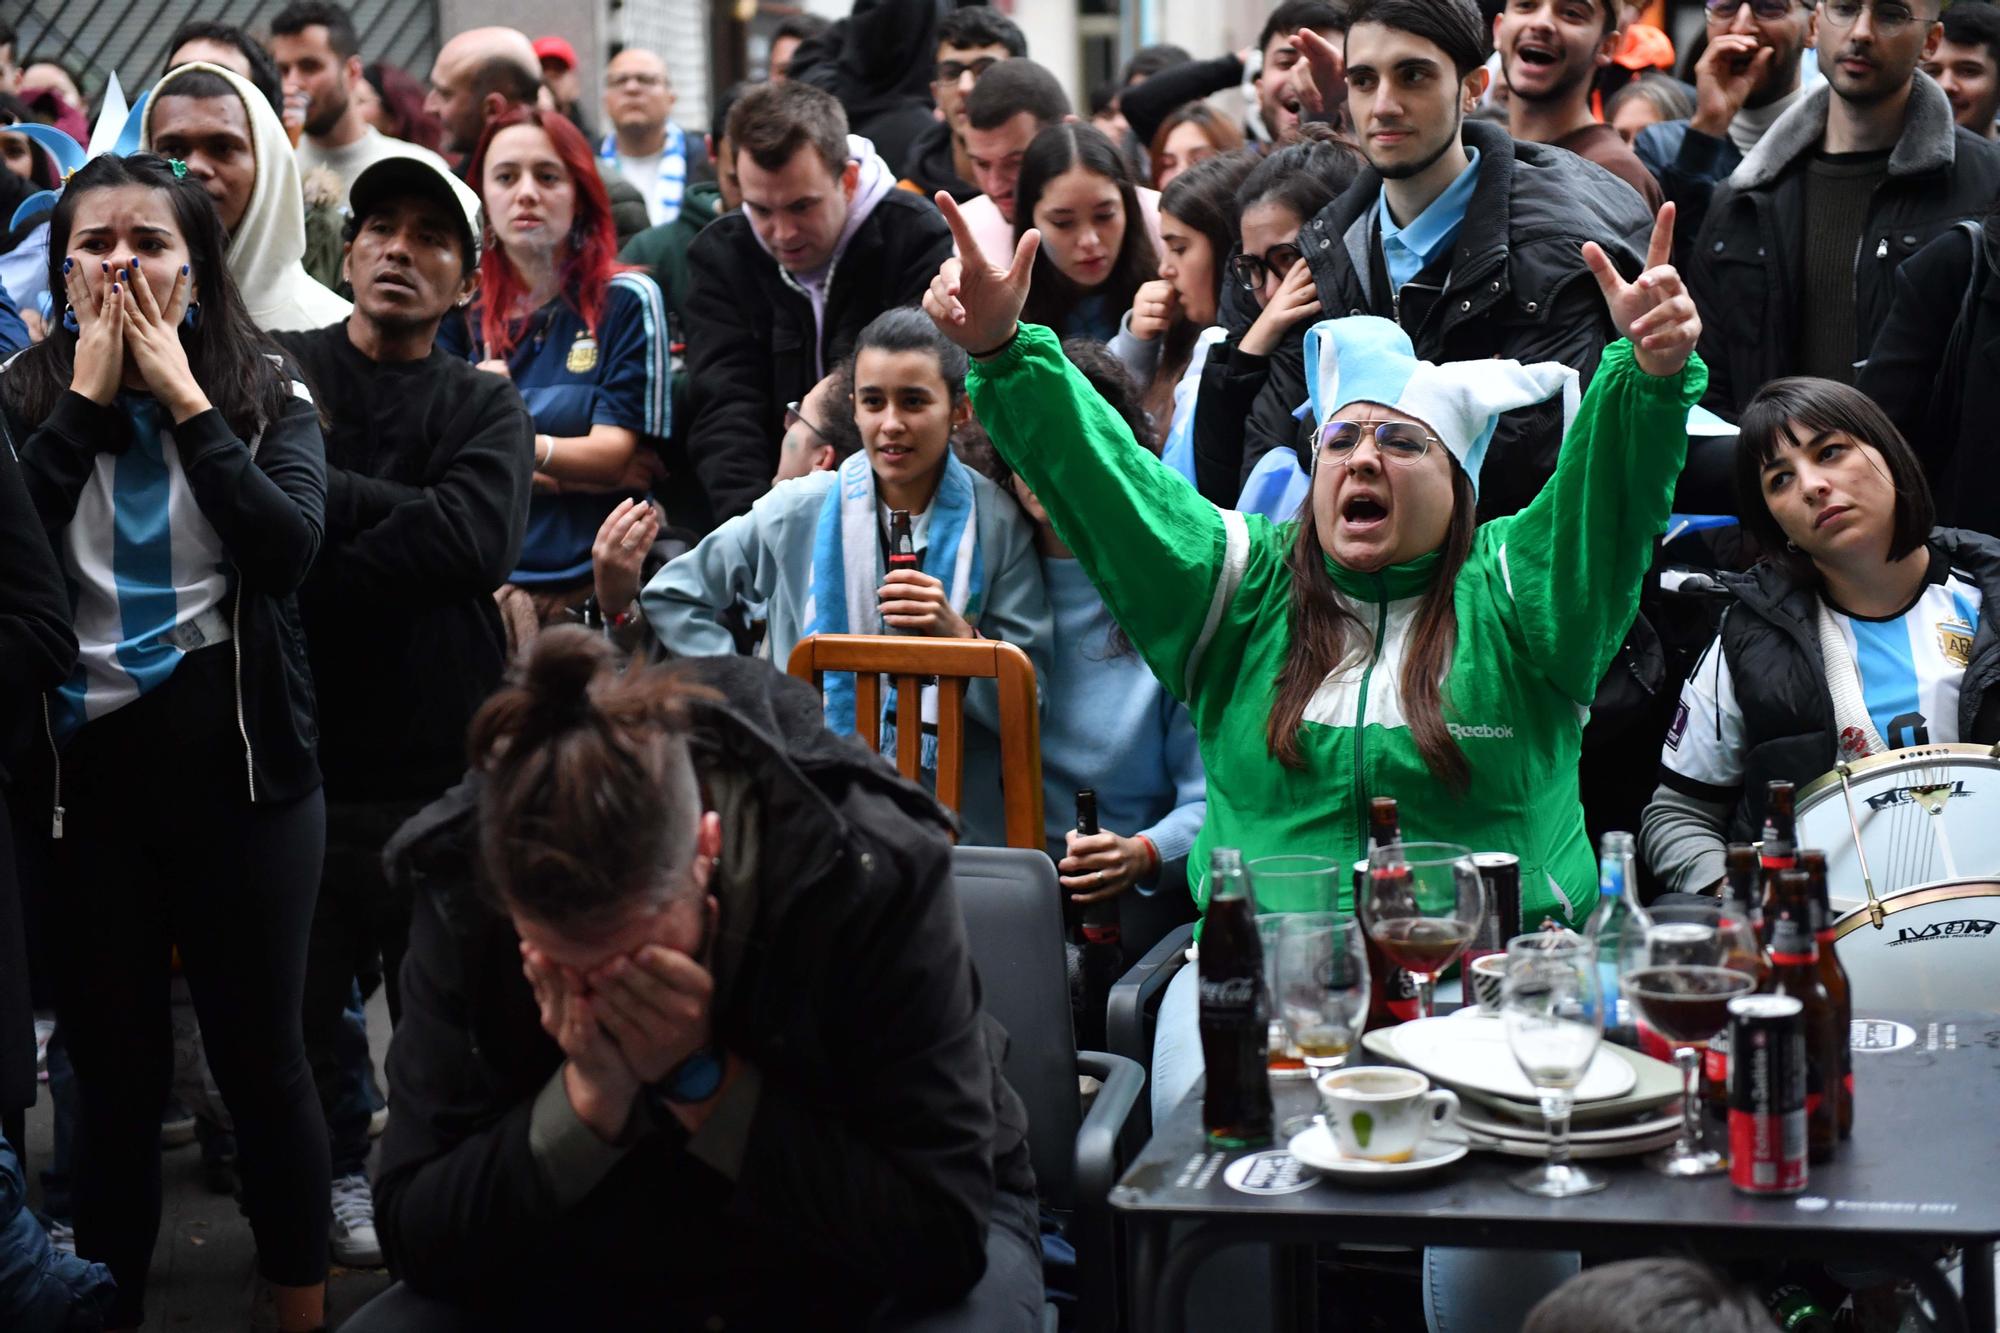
[
  {"x": 117, "y": 131},
  {"x": 1368, "y": 359}
]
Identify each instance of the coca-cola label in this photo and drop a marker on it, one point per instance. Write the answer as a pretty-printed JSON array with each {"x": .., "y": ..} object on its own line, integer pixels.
[{"x": 1229, "y": 995}]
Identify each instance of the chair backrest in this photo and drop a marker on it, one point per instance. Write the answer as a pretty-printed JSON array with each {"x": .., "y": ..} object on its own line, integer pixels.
[
  {"x": 911, "y": 663},
  {"x": 1012, "y": 907}
]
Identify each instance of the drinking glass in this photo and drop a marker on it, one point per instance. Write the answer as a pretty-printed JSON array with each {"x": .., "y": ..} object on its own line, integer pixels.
[
  {"x": 1680, "y": 970},
  {"x": 1421, "y": 905},
  {"x": 1283, "y": 885},
  {"x": 1282, "y": 1058},
  {"x": 1554, "y": 1013},
  {"x": 1322, "y": 986}
]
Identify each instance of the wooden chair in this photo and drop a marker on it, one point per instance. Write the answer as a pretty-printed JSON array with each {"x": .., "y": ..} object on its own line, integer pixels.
[{"x": 910, "y": 662}]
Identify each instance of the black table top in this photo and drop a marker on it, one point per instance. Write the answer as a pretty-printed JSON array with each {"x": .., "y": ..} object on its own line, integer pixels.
[{"x": 1923, "y": 1165}]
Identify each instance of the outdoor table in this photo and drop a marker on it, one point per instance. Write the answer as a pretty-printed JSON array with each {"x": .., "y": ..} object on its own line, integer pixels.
[{"x": 1921, "y": 1171}]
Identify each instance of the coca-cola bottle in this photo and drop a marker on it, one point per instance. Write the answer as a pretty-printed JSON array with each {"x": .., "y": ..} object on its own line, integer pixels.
[
  {"x": 1392, "y": 991},
  {"x": 902, "y": 545},
  {"x": 1235, "y": 1011},
  {"x": 1740, "y": 903},
  {"x": 1795, "y": 972},
  {"x": 1103, "y": 940},
  {"x": 1833, "y": 976},
  {"x": 1779, "y": 852}
]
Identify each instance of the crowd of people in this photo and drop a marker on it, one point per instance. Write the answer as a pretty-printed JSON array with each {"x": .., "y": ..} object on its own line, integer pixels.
[{"x": 415, "y": 484}]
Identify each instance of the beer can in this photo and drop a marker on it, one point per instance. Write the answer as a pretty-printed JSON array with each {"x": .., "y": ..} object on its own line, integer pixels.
[
  {"x": 1767, "y": 1094},
  {"x": 1500, "y": 872}
]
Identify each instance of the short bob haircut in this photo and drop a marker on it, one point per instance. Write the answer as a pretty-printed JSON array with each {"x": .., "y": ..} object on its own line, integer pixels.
[{"x": 1798, "y": 409}]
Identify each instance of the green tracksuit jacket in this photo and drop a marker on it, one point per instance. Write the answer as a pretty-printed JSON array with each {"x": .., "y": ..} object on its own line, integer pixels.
[{"x": 1542, "y": 604}]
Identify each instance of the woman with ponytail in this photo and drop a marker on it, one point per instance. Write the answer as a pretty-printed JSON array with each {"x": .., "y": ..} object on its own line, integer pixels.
[{"x": 690, "y": 1034}]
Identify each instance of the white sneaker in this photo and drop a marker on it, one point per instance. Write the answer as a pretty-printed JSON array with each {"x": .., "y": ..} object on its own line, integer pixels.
[
  {"x": 45, "y": 1031},
  {"x": 62, "y": 1236},
  {"x": 377, "y": 1122},
  {"x": 351, "y": 1238}
]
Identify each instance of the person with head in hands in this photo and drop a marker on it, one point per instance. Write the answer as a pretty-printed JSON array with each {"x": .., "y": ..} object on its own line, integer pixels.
[
  {"x": 1550, "y": 53},
  {"x": 428, "y": 475},
  {"x": 176, "y": 464},
  {"x": 1796, "y": 262},
  {"x": 1967, "y": 65}
]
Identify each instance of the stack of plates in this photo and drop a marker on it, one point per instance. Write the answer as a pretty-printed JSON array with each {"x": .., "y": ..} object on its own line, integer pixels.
[{"x": 1628, "y": 1103}]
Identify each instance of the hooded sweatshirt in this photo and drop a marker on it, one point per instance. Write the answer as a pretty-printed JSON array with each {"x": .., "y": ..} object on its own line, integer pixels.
[
  {"x": 873, "y": 185},
  {"x": 267, "y": 245}
]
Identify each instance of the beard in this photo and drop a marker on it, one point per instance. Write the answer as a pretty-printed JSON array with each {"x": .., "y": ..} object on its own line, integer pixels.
[
  {"x": 1405, "y": 170},
  {"x": 1562, "y": 89},
  {"x": 322, "y": 120}
]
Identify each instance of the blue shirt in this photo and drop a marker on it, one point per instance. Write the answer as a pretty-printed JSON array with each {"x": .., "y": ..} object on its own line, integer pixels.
[
  {"x": 1408, "y": 251},
  {"x": 571, "y": 381}
]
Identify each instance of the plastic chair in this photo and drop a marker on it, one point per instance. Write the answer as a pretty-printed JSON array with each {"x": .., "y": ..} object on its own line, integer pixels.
[
  {"x": 912, "y": 663},
  {"x": 1013, "y": 924},
  {"x": 1133, "y": 1010}
]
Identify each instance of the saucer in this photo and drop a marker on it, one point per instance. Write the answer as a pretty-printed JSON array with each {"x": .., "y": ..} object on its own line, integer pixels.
[{"x": 1315, "y": 1146}]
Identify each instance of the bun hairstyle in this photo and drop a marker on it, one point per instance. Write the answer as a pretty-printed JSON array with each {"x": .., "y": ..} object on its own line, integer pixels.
[{"x": 590, "y": 803}]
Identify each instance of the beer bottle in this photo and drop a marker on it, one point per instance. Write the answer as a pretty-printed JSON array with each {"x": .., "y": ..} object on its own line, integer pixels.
[
  {"x": 1392, "y": 991},
  {"x": 1617, "y": 903},
  {"x": 1740, "y": 903},
  {"x": 1103, "y": 941},
  {"x": 902, "y": 545},
  {"x": 1834, "y": 977},
  {"x": 1795, "y": 972},
  {"x": 1235, "y": 1011},
  {"x": 1779, "y": 852}
]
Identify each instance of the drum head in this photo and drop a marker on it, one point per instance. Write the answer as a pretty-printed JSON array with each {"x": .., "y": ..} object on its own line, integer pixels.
[
  {"x": 1923, "y": 815},
  {"x": 1938, "y": 949}
]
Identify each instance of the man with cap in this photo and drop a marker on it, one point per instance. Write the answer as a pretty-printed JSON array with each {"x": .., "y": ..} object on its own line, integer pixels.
[
  {"x": 560, "y": 77},
  {"x": 429, "y": 467}
]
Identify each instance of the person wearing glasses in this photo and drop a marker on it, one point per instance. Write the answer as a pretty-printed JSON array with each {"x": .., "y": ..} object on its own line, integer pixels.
[
  {"x": 1748, "y": 77},
  {"x": 1796, "y": 262},
  {"x": 970, "y": 42},
  {"x": 655, "y": 156}
]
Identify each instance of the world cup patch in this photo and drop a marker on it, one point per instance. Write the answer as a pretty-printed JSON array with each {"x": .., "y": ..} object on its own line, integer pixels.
[{"x": 1679, "y": 728}]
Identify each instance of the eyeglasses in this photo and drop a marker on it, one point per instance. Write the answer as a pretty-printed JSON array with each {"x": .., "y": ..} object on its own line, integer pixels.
[
  {"x": 1724, "y": 11},
  {"x": 1398, "y": 441},
  {"x": 1250, "y": 270},
  {"x": 794, "y": 417},
  {"x": 951, "y": 71},
  {"x": 636, "y": 80},
  {"x": 1889, "y": 16}
]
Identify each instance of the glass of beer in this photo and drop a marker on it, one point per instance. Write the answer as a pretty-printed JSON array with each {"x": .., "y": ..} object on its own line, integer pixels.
[{"x": 1322, "y": 986}]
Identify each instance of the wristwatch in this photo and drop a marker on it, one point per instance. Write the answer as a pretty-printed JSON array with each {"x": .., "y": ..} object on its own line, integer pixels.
[{"x": 692, "y": 1081}]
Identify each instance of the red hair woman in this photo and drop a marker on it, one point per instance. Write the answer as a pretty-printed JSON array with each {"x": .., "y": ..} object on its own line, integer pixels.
[{"x": 583, "y": 338}]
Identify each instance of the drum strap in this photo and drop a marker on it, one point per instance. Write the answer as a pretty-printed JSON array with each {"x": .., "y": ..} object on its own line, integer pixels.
[{"x": 1851, "y": 722}]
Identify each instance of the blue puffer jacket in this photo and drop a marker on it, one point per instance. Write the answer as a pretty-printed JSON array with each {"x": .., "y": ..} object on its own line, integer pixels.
[{"x": 42, "y": 1290}]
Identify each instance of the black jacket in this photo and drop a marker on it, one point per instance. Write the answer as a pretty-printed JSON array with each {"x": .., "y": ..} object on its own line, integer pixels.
[
  {"x": 1745, "y": 267},
  {"x": 752, "y": 343},
  {"x": 1517, "y": 289},
  {"x": 428, "y": 468},
  {"x": 1935, "y": 369},
  {"x": 878, "y": 62},
  {"x": 882, "y": 1127},
  {"x": 1771, "y": 646},
  {"x": 931, "y": 168},
  {"x": 266, "y": 500}
]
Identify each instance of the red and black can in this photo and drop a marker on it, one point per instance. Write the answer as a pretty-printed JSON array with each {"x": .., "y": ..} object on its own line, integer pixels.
[
  {"x": 1501, "y": 873},
  {"x": 1767, "y": 1094}
]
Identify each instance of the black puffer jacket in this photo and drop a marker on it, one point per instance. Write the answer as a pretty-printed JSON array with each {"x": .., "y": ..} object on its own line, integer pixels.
[
  {"x": 753, "y": 344},
  {"x": 882, "y": 1128},
  {"x": 1771, "y": 645},
  {"x": 1518, "y": 289},
  {"x": 1745, "y": 268}
]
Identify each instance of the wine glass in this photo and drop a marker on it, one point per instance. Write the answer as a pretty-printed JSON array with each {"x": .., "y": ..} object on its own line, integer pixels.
[
  {"x": 1421, "y": 905},
  {"x": 1554, "y": 1014},
  {"x": 1322, "y": 986},
  {"x": 1680, "y": 970}
]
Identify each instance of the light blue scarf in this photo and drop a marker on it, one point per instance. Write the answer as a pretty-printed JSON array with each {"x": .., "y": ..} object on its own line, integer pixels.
[
  {"x": 672, "y": 182},
  {"x": 847, "y": 569}
]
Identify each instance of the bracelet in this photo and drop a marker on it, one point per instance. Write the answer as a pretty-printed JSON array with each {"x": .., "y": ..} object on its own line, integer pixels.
[
  {"x": 542, "y": 460},
  {"x": 1153, "y": 849},
  {"x": 988, "y": 356}
]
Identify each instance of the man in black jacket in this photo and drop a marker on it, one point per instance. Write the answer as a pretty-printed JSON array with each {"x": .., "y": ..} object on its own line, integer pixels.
[
  {"x": 428, "y": 475},
  {"x": 847, "y": 1141},
  {"x": 1795, "y": 264},
  {"x": 1468, "y": 239},
  {"x": 824, "y": 242}
]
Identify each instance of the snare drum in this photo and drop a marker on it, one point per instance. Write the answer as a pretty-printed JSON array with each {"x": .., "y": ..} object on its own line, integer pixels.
[
  {"x": 1938, "y": 949},
  {"x": 1923, "y": 814}
]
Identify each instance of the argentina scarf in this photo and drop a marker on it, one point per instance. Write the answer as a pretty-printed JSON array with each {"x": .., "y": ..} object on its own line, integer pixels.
[
  {"x": 847, "y": 568},
  {"x": 665, "y": 205}
]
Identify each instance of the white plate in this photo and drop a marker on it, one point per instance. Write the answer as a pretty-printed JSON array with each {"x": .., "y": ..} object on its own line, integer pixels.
[
  {"x": 1475, "y": 1055},
  {"x": 1476, "y": 1121},
  {"x": 1622, "y": 1148},
  {"x": 1315, "y": 1147}
]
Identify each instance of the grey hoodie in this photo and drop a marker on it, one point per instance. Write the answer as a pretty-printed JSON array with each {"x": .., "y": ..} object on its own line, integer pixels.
[{"x": 870, "y": 188}]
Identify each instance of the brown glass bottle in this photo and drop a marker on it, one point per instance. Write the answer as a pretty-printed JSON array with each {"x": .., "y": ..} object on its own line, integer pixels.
[
  {"x": 1795, "y": 972},
  {"x": 1235, "y": 1011},
  {"x": 1740, "y": 875},
  {"x": 1392, "y": 991},
  {"x": 1834, "y": 977},
  {"x": 1779, "y": 851}
]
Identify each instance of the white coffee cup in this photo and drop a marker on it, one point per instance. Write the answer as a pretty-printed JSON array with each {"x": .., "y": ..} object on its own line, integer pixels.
[
  {"x": 1489, "y": 977},
  {"x": 1381, "y": 1114}
]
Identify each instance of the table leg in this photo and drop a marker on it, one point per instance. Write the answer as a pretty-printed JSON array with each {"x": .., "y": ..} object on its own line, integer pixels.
[
  {"x": 1978, "y": 1273},
  {"x": 1147, "y": 1237},
  {"x": 1185, "y": 1257}
]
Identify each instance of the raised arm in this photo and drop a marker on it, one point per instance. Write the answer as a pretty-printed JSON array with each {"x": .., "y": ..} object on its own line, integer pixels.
[{"x": 1571, "y": 563}]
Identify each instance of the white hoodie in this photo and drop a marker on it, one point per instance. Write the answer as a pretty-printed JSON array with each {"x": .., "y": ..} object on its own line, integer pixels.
[{"x": 266, "y": 247}]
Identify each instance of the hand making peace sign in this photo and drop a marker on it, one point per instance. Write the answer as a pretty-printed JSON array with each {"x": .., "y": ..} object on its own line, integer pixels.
[
  {"x": 973, "y": 303},
  {"x": 1655, "y": 312}
]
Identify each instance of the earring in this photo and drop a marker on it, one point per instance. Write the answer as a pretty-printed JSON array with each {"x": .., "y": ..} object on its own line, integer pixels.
[
  {"x": 1791, "y": 546},
  {"x": 193, "y": 316},
  {"x": 69, "y": 318}
]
